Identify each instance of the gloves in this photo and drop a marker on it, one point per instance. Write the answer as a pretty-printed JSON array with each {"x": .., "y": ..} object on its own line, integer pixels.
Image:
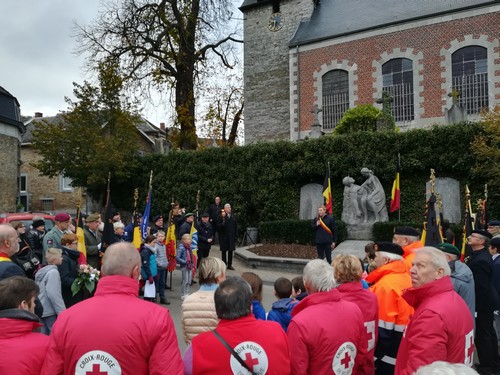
[{"x": 150, "y": 279}]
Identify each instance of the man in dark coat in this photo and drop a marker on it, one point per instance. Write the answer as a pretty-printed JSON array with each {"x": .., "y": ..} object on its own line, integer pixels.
[
  {"x": 205, "y": 237},
  {"x": 215, "y": 211},
  {"x": 229, "y": 231},
  {"x": 35, "y": 236},
  {"x": 92, "y": 238},
  {"x": 325, "y": 234},
  {"x": 481, "y": 265}
]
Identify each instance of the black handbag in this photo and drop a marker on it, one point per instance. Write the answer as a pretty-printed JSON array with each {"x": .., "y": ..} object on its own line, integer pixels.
[{"x": 27, "y": 260}]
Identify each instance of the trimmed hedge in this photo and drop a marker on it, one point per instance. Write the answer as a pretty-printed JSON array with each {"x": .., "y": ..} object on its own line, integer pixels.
[
  {"x": 262, "y": 181},
  {"x": 293, "y": 231}
]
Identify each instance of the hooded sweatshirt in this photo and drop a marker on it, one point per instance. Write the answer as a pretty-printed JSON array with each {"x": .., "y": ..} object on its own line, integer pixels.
[
  {"x": 281, "y": 312},
  {"x": 463, "y": 283},
  {"x": 49, "y": 282}
]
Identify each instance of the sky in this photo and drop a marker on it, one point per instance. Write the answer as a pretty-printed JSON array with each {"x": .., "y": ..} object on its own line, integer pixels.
[{"x": 37, "y": 61}]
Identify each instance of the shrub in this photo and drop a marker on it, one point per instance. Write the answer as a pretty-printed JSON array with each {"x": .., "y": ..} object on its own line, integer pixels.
[{"x": 361, "y": 118}]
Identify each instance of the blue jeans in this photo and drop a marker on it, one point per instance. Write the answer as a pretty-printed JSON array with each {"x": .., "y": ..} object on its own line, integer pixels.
[
  {"x": 160, "y": 282},
  {"x": 186, "y": 281}
]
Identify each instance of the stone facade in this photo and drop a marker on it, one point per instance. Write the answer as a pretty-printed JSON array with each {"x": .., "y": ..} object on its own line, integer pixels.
[
  {"x": 266, "y": 66},
  {"x": 9, "y": 162},
  {"x": 428, "y": 43}
]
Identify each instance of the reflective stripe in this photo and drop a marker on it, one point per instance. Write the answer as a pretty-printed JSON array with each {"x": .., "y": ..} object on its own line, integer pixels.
[
  {"x": 400, "y": 327},
  {"x": 389, "y": 360},
  {"x": 386, "y": 325}
]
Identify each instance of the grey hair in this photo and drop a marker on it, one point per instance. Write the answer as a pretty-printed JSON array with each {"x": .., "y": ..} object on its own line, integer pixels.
[
  {"x": 438, "y": 258},
  {"x": 51, "y": 254},
  {"x": 118, "y": 224},
  {"x": 391, "y": 256},
  {"x": 318, "y": 276},
  {"x": 445, "y": 368}
]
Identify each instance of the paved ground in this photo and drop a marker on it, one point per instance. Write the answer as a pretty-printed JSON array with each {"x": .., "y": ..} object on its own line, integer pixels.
[{"x": 267, "y": 275}]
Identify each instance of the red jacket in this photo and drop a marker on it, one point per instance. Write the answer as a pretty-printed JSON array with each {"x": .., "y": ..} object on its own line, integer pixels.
[
  {"x": 440, "y": 330},
  {"x": 21, "y": 350},
  {"x": 367, "y": 303},
  {"x": 113, "y": 330},
  {"x": 326, "y": 334},
  {"x": 261, "y": 344}
]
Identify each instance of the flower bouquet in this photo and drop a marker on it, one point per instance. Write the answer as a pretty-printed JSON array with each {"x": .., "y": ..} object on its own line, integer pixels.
[{"x": 87, "y": 277}]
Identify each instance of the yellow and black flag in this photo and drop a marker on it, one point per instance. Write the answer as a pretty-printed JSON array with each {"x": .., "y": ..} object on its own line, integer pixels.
[
  {"x": 468, "y": 226},
  {"x": 395, "y": 194},
  {"x": 327, "y": 192}
]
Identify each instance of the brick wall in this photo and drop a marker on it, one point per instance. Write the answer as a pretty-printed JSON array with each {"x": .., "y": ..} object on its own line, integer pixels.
[
  {"x": 9, "y": 149},
  {"x": 427, "y": 44}
]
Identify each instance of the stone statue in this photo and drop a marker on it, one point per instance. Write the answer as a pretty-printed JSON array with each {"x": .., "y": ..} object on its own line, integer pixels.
[
  {"x": 373, "y": 198},
  {"x": 351, "y": 210}
]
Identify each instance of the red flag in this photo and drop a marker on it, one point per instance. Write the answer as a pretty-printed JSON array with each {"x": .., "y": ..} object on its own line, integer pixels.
[
  {"x": 395, "y": 194},
  {"x": 327, "y": 193}
]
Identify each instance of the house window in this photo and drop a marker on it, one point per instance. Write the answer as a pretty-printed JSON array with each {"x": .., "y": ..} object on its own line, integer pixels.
[
  {"x": 66, "y": 184},
  {"x": 23, "y": 184},
  {"x": 469, "y": 71},
  {"x": 47, "y": 204},
  {"x": 397, "y": 78},
  {"x": 335, "y": 97}
]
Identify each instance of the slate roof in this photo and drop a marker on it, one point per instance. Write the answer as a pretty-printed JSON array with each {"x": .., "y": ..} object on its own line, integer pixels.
[
  {"x": 9, "y": 109},
  {"x": 334, "y": 18}
]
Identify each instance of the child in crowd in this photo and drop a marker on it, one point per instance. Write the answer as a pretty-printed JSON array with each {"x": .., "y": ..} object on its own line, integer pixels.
[
  {"x": 162, "y": 262},
  {"x": 281, "y": 310},
  {"x": 149, "y": 268},
  {"x": 49, "y": 282},
  {"x": 370, "y": 257},
  {"x": 185, "y": 259},
  {"x": 256, "y": 284},
  {"x": 298, "y": 288}
]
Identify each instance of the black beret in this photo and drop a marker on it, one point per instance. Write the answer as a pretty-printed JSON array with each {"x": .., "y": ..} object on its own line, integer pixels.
[
  {"x": 483, "y": 233},
  {"x": 407, "y": 231},
  {"x": 389, "y": 247},
  {"x": 448, "y": 248}
]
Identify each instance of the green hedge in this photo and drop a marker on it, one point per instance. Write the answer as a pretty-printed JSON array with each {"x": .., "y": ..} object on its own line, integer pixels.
[
  {"x": 271, "y": 174},
  {"x": 293, "y": 231}
]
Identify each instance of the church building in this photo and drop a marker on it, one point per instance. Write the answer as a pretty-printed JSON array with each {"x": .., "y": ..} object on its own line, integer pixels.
[{"x": 317, "y": 58}]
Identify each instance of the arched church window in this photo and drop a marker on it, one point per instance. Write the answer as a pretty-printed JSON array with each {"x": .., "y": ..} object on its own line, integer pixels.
[
  {"x": 469, "y": 71},
  {"x": 397, "y": 77},
  {"x": 335, "y": 97}
]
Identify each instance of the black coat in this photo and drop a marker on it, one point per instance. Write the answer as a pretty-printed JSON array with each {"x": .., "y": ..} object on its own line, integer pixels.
[
  {"x": 214, "y": 210},
  {"x": 481, "y": 265},
  {"x": 321, "y": 235},
  {"x": 229, "y": 230},
  {"x": 68, "y": 271},
  {"x": 205, "y": 232}
]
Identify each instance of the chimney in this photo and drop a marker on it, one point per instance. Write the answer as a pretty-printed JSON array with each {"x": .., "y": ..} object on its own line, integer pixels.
[
  {"x": 162, "y": 126},
  {"x": 38, "y": 114}
]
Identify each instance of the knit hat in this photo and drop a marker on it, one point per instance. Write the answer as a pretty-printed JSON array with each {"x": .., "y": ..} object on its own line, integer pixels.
[
  {"x": 389, "y": 247},
  {"x": 495, "y": 242},
  {"x": 407, "y": 231},
  {"x": 38, "y": 223},
  {"x": 483, "y": 233},
  {"x": 448, "y": 248},
  {"x": 61, "y": 217},
  {"x": 92, "y": 218}
]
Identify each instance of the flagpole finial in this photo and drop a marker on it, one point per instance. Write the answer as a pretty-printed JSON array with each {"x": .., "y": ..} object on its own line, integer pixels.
[
  {"x": 467, "y": 191},
  {"x": 136, "y": 198},
  {"x": 433, "y": 180}
]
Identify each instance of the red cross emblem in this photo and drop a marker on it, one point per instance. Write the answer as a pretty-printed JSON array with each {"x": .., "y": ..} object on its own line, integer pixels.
[
  {"x": 346, "y": 360},
  {"x": 96, "y": 370},
  {"x": 250, "y": 361}
]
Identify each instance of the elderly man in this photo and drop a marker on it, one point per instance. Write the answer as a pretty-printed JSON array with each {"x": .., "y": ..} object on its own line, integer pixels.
[
  {"x": 481, "y": 265},
  {"x": 22, "y": 351},
  {"x": 409, "y": 240},
  {"x": 326, "y": 334},
  {"x": 389, "y": 280},
  {"x": 53, "y": 237},
  {"x": 240, "y": 344},
  {"x": 9, "y": 245},
  {"x": 439, "y": 329},
  {"x": 494, "y": 228},
  {"x": 127, "y": 334},
  {"x": 461, "y": 276},
  {"x": 93, "y": 240}
]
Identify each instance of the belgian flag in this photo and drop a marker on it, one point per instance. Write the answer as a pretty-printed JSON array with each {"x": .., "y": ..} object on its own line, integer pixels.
[
  {"x": 327, "y": 192},
  {"x": 395, "y": 194}
]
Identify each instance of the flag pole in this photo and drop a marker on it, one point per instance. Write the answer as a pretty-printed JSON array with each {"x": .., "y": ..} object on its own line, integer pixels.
[{"x": 399, "y": 182}]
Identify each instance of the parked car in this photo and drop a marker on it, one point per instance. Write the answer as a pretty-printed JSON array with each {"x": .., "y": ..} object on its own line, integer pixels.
[{"x": 27, "y": 218}]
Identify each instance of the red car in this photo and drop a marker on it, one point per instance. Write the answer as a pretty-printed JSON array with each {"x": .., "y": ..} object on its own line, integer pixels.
[{"x": 27, "y": 218}]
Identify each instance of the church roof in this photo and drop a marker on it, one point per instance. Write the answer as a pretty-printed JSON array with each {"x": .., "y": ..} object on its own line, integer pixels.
[{"x": 334, "y": 18}]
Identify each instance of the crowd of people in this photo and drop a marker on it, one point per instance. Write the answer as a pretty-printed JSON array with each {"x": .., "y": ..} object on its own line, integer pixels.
[{"x": 405, "y": 309}]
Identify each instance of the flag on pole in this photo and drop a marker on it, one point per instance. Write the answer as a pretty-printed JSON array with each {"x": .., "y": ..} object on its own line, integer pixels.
[
  {"x": 136, "y": 232},
  {"x": 147, "y": 212},
  {"x": 193, "y": 234},
  {"x": 482, "y": 213},
  {"x": 327, "y": 192},
  {"x": 108, "y": 233},
  {"x": 431, "y": 234},
  {"x": 395, "y": 194},
  {"x": 80, "y": 234},
  {"x": 468, "y": 225},
  {"x": 171, "y": 247}
]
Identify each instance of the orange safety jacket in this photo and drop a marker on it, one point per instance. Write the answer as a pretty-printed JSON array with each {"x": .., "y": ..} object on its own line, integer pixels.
[
  {"x": 409, "y": 250},
  {"x": 389, "y": 282}
]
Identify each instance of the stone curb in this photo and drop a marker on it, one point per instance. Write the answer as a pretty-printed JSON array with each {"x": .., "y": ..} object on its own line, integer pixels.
[{"x": 255, "y": 261}]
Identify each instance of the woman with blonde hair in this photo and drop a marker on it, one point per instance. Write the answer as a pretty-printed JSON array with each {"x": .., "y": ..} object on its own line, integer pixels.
[
  {"x": 348, "y": 273},
  {"x": 198, "y": 309}
]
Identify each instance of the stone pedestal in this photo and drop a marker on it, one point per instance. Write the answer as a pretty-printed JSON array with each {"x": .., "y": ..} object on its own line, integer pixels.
[
  {"x": 311, "y": 197},
  {"x": 361, "y": 231}
]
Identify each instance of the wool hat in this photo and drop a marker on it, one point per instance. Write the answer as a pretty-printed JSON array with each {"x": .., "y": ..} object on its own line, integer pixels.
[
  {"x": 205, "y": 214},
  {"x": 389, "y": 247},
  {"x": 93, "y": 218},
  {"x": 407, "y": 231},
  {"x": 61, "y": 217},
  {"x": 483, "y": 233},
  {"x": 38, "y": 223},
  {"x": 495, "y": 242},
  {"x": 156, "y": 218},
  {"x": 494, "y": 223},
  {"x": 448, "y": 248}
]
